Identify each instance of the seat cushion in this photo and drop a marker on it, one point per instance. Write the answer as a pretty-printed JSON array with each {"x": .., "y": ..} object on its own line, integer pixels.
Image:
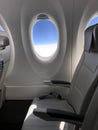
[
  {"x": 53, "y": 103},
  {"x": 31, "y": 121}
]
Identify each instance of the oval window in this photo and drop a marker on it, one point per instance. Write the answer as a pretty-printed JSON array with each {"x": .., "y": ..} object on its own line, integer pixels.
[
  {"x": 93, "y": 21},
  {"x": 45, "y": 37},
  {"x": 1, "y": 29}
]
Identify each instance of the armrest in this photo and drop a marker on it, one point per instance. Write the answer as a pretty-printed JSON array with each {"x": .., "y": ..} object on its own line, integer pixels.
[
  {"x": 57, "y": 82},
  {"x": 59, "y": 115}
]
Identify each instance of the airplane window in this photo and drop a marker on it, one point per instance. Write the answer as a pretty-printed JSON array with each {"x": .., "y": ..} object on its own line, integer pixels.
[
  {"x": 1, "y": 29},
  {"x": 44, "y": 37},
  {"x": 93, "y": 21}
]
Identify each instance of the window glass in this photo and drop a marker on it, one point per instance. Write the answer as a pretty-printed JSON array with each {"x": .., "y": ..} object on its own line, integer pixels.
[
  {"x": 45, "y": 37},
  {"x": 93, "y": 21},
  {"x": 1, "y": 29}
]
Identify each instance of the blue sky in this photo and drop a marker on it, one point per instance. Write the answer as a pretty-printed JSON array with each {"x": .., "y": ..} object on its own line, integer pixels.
[
  {"x": 93, "y": 21},
  {"x": 1, "y": 29},
  {"x": 44, "y": 32},
  {"x": 45, "y": 36}
]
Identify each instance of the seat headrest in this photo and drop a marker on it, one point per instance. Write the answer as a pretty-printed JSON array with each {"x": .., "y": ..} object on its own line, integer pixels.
[{"x": 91, "y": 39}]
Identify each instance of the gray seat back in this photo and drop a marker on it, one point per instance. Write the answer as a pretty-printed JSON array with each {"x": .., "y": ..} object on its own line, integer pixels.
[
  {"x": 4, "y": 63},
  {"x": 84, "y": 81},
  {"x": 91, "y": 117}
]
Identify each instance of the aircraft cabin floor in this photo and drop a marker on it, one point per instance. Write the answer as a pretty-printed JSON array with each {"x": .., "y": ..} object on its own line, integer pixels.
[{"x": 13, "y": 113}]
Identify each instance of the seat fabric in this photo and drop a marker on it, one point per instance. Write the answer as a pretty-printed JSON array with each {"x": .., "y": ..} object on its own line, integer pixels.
[
  {"x": 82, "y": 84},
  {"x": 91, "y": 117},
  {"x": 31, "y": 120}
]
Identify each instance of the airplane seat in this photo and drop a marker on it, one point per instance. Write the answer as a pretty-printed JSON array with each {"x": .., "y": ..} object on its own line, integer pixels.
[
  {"x": 74, "y": 107},
  {"x": 4, "y": 62},
  {"x": 91, "y": 117}
]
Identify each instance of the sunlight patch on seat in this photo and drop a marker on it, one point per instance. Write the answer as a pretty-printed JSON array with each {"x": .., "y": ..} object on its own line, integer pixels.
[
  {"x": 30, "y": 111},
  {"x": 62, "y": 124}
]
